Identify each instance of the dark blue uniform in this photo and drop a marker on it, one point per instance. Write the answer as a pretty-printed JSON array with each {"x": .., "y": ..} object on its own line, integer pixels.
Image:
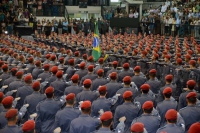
[
  {"x": 170, "y": 128},
  {"x": 124, "y": 73},
  {"x": 86, "y": 95},
  {"x": 64, "y": 117},
  {"x": 138, "y": 80},
  {"x": 9, "y": 80},
  {"x": 112, "y": 88},
  {"x": 73, "y": 89},
  {"x": 88, "y": 76},
  {"x": 3, "y": 77},
  {"x": 44, "y": 76},
  {"x": 154, "y": 85},
  {"x": 81, "y": 73},
  {"x": 143, "y": 98},
  {"x": 36, "y": 71},
  {"x": 59, "y": 87},
  {"x": 98, "y": 82},
  {"x": 15, "y": 85},
  {"x": 11, "y": 129},
  {"x": 3, "y": 120}
]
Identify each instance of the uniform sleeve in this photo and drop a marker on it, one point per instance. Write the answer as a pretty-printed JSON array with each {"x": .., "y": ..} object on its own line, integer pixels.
[
  {"x": 38, "y": 119},
  {"x": 56, "y": 124},
  {"x": 120, "y": 127},
  {"x": 180, "y": 104},
  {"x": 113, "y": 100},
  {"x": 116, "y": 118},
  {"x": 72, "y": 130},
  {"x": 180, "y": 122}
]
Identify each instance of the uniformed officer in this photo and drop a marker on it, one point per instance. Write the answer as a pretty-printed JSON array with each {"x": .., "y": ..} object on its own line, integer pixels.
[
  {"x": 194, "y": 128},
  {"x": 190, "y": 113},
  {"x": 124, "y": 72},
  {"x": 5, "y": 74},
  {"x": 137, "y": 79},
  {"x": 125, "y": 110},
  {"x": 64, "y": 117},
  {"x": 171, "y": 117},
  {"x": 46, "y": 74},
  {"x": 29, "y": 126},
  {"x": 154, "y": 83},
  {"x": 33, "y": 99},
  {"x": 113, "y": 86},
  {"x": 165, "y": 105},
  {"x": 100, "y": 66},
  {"x": 84, "y": 122},
  {"x": 46, "y": 111},
  {"x": 82, "y": 72},
  {"x": 99, "y": 81},
  {"x": 102, "y": 103},
  {"x": 1, "y": 98},
  {"x": 190, "y": 88},
  {"x": 59, "y": 85},
  {"x": 47, "y": 61},
  {"x": 30, "y": 66},
  {"x": 53, "y": 77},
  {"x": 151, "y": 122},
  {"x": 90, "y": 74},
  {"x": 86, "y": 94},
  {"x": 114, "y": 68},
  {"x": 11, "y": 127},
  {"x": 70, "y": 70},
  {"x": 24, "y": 91},
  {"x": 37, "y": 70},
  {"x": 12, "y": 77},
  {"x": 138, "y": 127},
  {"x": 144, "y": 95}
]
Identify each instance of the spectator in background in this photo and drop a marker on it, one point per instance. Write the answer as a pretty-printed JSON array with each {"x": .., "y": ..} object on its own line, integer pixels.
[
  {"x": 136, "y": 14},
  {"x": 131, "y": 15},
  {"x": 65, "y": 26},
  {"x": 60, "y": 27}
]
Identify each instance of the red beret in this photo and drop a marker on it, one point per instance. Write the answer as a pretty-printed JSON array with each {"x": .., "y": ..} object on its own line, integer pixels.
[
  {"x": 59, "y": 74},
  {"x": 53, "y": 57},
  {"x": 38, "y": 63},
  {"x": 61, "y": 59},
  {"x": 179, "y": 60},
  {"x": 106, "y": 116},
  {"x": 86, "y": 104},
  {"x": 11, "y": 113},
  {"x": 90, "y": 59},
  {"x": 71, "y": 61},
  {"x": 90, "y": 68},
  {"x": 19, "y": 73},
  {"x": 1, "y": 95},
  {"x": 199, "y": 59},
  {"x": 152, "y": 71},
  {"x": 100, "y": 71},
  {"x": 167, "y": 56},
  {"x": 68, "y": 51},
  {"x": 191, "y": 83},
  {"x": 127, "y": 79},
  {"x": 48, "y": 56},
  {"x": 190, "y": 52},
  {"x": 28, "y": 126},
  {"x": 28, "y": 78},
  {"x": 113, "y": 75},
  {"x": 126, "y": 65},
  {"x": 85, "y": 56},
  {"x": 75, "y": 77},
  {"x": 114, "y": 63},
  {"x": 102, "y": 88},
  {"x": 187, "y": 56},
  {"x": 100, "y": 60},
  {"x": 127, "y": 94},
  {"x": 178, "y": 55},
  {"x": 147, "y": 105},
  {"x": 54, "y": 69},
  {"x": 169, "y": 77},
  {"x": 87, "y": 82},
  {"x": 194, "y": 128},
  {"x": 156, "y": 55},
  {"x": 171, "y": 114},
  {"x": 82, "y": 65},
  {"x": 76, "y": 53},
  {"x": 137, "y": 127},
  {"x": 144, "y": 52},
  {"x": 30, "y": 59},
  {"x": 49, "y": 90},
  {"x": 137, "y": 68},
  {"x": 167, "y": 90},
  {"x": 36, "y": 85},
  {"x": 70, "y": 96},
  {"x": 46, "y": 66},
  {"x": 126, "y": 49},
  {"x": 1, "y": 63},
  {"x": 5, "y": 66},
  {"x": 7, "y": 100},
  {"x": 145, "y": 87},
  {"x": 191, "y": 94},
  {"x": 192, "y": 62},
  {"x": 135, "y": 51},
  {"x": 13, "y": 69}
]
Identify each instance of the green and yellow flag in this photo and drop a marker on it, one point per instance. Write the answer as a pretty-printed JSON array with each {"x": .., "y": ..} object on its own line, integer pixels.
[{"x": 96, "y": 52}]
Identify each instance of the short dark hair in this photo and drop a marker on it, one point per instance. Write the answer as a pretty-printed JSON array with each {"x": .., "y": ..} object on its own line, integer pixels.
[
  {"x": 87, "y": 86},
  {"x": 5, "y": 69},
  {"x": 19, "y": 76},
  {"x": 12, "y": 118},
  {"x": 102, "y": 93},
  {"x": 1, "y": 99},
  {"x": 107, "y": 123},
  {"x": 172, "y": 121},
  {"x": 137, "y": 132},
  {"x": 148, "y": 110},
  {"x": 152, "y": 75},
  {"x": 129, "y": 98},
  {"x": 87, "y": 110},
  {"x": 190, "y": 87},
  {"x": 7, "y": 106},
  {"x": 145, "y": 91},
  {"x": 70, "y": 102},
  {"x": 127, "y": 83},
  {"x": 168, "y": 95},
  {"x": 49, "y": 95},
  {"x": 100, "y": 75},
  {"x": 14, "y": 73},
  {"x": 192, "y": 100},
  {"x": 31, "y": 131},
  {"x": 137, "y": 71},
  {"x": 169, "y": 80},
  {"x": 75, "y": 81}
]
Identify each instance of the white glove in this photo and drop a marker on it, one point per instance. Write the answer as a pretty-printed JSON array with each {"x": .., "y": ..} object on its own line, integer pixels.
[
  {"x": 57, "y": 130},
  {"x": 3, "y": 88},
  {"x": 122, "y": 119},
  {"x": 33, "y": 116},
  {"x": 101, "y": 111}
]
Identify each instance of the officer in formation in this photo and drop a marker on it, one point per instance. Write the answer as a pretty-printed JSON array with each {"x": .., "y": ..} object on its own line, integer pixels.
[{"x": 150, "y": 78}]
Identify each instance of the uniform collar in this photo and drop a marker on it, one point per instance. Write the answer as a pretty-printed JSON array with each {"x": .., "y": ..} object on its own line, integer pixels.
[
  {"x": 191, "y": 105},
  {"x": 84, "y": 115},
  {"x": 104, "y": 129}
]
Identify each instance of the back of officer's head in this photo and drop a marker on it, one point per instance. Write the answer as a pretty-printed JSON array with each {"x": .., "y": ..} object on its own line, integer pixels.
[
  {"x": 127, "y": 80},
  {"x": 167, "y": 92},
  {"x": 13, "y": 71},
  {"x": 137, "y": 128},
  {"x": 49, "y": 92},
  {"x": 46, "y": 67},
  {"x": 19, "y": 74},
  {"x": 36, "y": 86},
  {"x": 7, "y": 102},
  {"x": 87, "y": 83},
  {"x": 11, "y": 116},
  {"x": 70, "y": 99},
  {"x": 191, "y": 98},
  {"x": 106, "y": 119},
  {"x": 102, "y": 90},
  {"x": 171, "y": 116},
  {"x": 147, "y": 107},
  {"x": 152, "y": 73},
  {"x": 128, "y": 96},
  {"x": 191, "y": 84},
  {"x": 75, "y": 78},
  {"x": 126, "y": 66},
  {"x": 1, "y": 96},
  {"x": 4, "y": 68},
  {"x": 145, "y": 88},
  {"x": 28, "y": 79},
  {"x": 169, "y": 78},
  {"x": 86, "y": 107},
  {"x": 90, "y": 68},
  {"x": 115, "y": 64},
  {"x": 113, "y": 76},
  {"x": 100, "y": 72},
  {"x": 137, "y": 69},
  {"x": 29, "y": 127}
]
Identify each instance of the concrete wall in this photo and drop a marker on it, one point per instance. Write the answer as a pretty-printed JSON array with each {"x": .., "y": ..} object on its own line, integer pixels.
[{"x": 89, "y": 9}]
